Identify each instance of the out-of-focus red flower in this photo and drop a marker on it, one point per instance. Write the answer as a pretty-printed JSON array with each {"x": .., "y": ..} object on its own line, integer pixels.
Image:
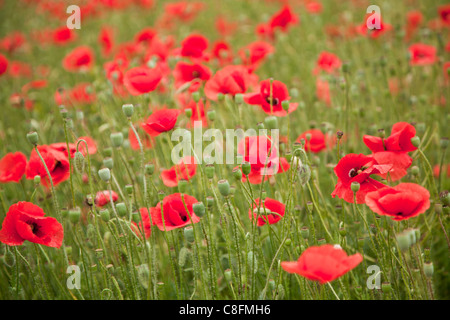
[
  {"x": 106, "y": 40},
  {"x": 12, "y": 42},
  {"x": 194, "y": 73},
  {"x": 323, "y": 91},
  {"x": 446, "y": 69},
  {"x": 145, "y": 224},
  {"x": 35, "y": 84},
  {"x": 422, "y": 54},
  {"x": 269, "y": 212},
  {"x": 160, "y": 121},
  {"x": 255, "y": 53},
  {"x": 102, "y": 198},
  {"x": 19, "y": 69},
  {"x": 57, "y": 164},
  {"x": 184, "y": 170},
  {"x": 147, "y": 140},
  {"x": 183, "y": 10},
  {"x": 3, "y": 64},
  {"x": 26, "y": 221},
  {"x": 283, "y": 19},
  {"x": 323, "y": 263},
  {"x": 444, "y": 14},
  {"x": 173, "y": 214},
  {"x": 12, "y": 167},
  {"x": 315, "y": 143},
  {"x": 194, "y": 46},
  {"x": 79, "y": 59},
  {"x": 413, "y": 21},
  {"x": 313, "y": 7},
  {"x": 19, "y": 100},
  {"x": 357, "y": 168},
  {"x": 221, "y": 51},
  {"x": 373, "y": 33},
  {"x": 81, "y": 94},
  {"x": 145, "y": 36},
  {"x": 404, "y": 201},
  {"x": 63, "y": 35},
  {"x": 445, "y": 170},
  {"x": 141, "y": 80},
  {"x": 224, "y": 27},
  {"x": 270, "y": 98},
  {"x": 327, "y": 62}
]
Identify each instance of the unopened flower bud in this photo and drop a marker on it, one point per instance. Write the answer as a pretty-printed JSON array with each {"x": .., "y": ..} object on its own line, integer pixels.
[
  {"x": 209, "y": 201},
  {"x": 246, "y": 168},
  {"x": 237, "y": 174},
  {"x": 116, "y": 139},
  {"x": 182, "y": 185},
  {"x": 271, "y": 122},
  {"x": 121, "y": 209},
  {"x": 304, "y": 231},
  {"x": 224, "y": 187},
  {"x": 189, "y": 234},
  {"x": 428, "y": 269},
  {"x": 415, "y": 141},
  {"x": 104, "y": 214},
  {"x": 196, "y": 96},
  {"x": 149, "y": 169},
  {"x": 355, "y": 186},
  {"x": 33, "y": 138},
  {"x": 285, "y": 105},
  {"x": 37, "y": 179},
  {"x": 444, "y": 143},
  {"x": 239, "y": 98},
  {"x": 104, "y": 174},
  {"x": 74, "y": 215},
  {"x": 188, "y": 112},
  {"x": 403, "y": 240},
  {"x": 108, "y": 163},
  {"x": 199, "y": 209},
  {"x": 128, "y": 110},
  {"x": 209, "y": 171}
]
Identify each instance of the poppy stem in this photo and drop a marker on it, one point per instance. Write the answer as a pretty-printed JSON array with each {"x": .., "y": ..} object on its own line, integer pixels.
[{"x": 334, "y": 292}]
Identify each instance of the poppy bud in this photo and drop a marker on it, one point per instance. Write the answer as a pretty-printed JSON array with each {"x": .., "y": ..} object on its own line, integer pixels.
[
  {"x": 237, "y": 174},
  {"x": 381, "y": 133},
  {"x": 33, "y": 137},
  {"x": 224, "y": 187},
  {"x": 415, "y": 170},
  {"x": 444, "y": 143},
  {"x": 69, "y": 123},
  {"x": 149, "y": 169},
  {"x": 37, "y": 179},
  {"x": 304, "y": 231},
  {"x": 196, "y": 96},
  {"x": 428, "y": 269},
  {"x": 228, "y": 275},
  {"x": 104, "y": 214},
  {"x": 182, "y": 185},
  {"x": 121, "y": 209},
  {"x": 135, "y": 216},
  {"x": 285, "y": 105},
  {"x": 188, "y": 112},
  {"x": 209, "y": 171},
  {"x": 64, "y": 212},
  {"x": 189, "y": 234},
  {"x": 183, "y": 256},
  {"x": 246, "y": 168},
  {"x": 415, "y": 141},
  {"x": 271, "y": 122},
  {"x": 346, "y": 67},
  {"x": 403, "y": 241},
  {"x": 211, "y": 115},
  {"x": 220, "y": 97},
  {"x": 199, "y": 209},
  {"x": 107, "y": 152},
  {"x": 209, "y": 201},
  {"x": 288, "y": 242},
  {"x": 74, "y": 215},
  {"x": 108, "y": 163},
  {"x": 116, "y": 139},
  {"x": 239, "y": 98},
  {"x": 339, "y": 134},
  {"x": 355, "y": 186},
  {"x": 79, "y": 162},
  {"x": 128, "y": 110},
  {"x": 321, "y": 241},
  {"x": 260, "y": 125},
  {"x": 161, "y": 195},
  {"x": 310, "y": 206},
  {"x": 342, "y": 232},
  {"x": 104, "y": 174}
]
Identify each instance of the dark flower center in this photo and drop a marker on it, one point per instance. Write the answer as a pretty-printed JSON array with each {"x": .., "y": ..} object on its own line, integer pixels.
[
  {"x": 195, "y": 74},
  {"x": 353, "y": 173},
  {"x": 272, "y": 101},
  {"x": 34, "y": 227}
]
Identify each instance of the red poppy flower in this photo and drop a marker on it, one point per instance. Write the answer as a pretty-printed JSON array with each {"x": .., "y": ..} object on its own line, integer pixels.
[
  {"x": 12, "y": 167},
  {"x": 146, "y": 36},
  {"x": 194, "y": 73},
  {"x": 373, "y": 33},
  {"x": 229, "y": 80},
  {"x": 404, "y": 201},
  {"x": 57, "y": 164},
  {"x": 26, "y": 221},
  {"x": 140, "y": 80},
  {"x": 81, "y": 94},
  {"x": 323, "y": 91},
  {"x": 444, "y": 14},
  {"x": 63, "y": 35},
  {"x": 146, "y": 139},
  {"x": 18, "y": 69},
  {"x": 3, "y": 64},
  {"x": 327, "y": 62},
  {"x": 413, "y": 20},
  {"x": 79, "y": 59},
  {"x": 271, "y": 104},
  {"x": 194, "y": 46},
  {"x": 198, "y": 112},
  {"x": 160, "y": 121},
  {"x": 315, "y": 143},
  {"x": 183, "y": 10},
  {"x": 270, "y": 212},
  {"x": 357, "y": 168},
  {"x": 399, "y": 140},
  {"x": 173, "y": 214},
  {"x": 12, "y": 42},
  {"x": 422, "y": 54},
  {"x": 283, "y": 19},
  {"x": 35, "y": 84},
  {"x": 147, "y": 224},
  {"x": 185, "y": 170},
  {"x": 313, "y": 7},
  {"x": 255, "y": 53},
  {"x": 323, "y": 263},
  {"x": 102, "y": 198},
  {"x": 106, "y": 40},
  {"x": 445, "y": 170},
  {"x": 221, "y": 51},
  {"x": 224, "y": 27},
  {"x": 258, "y": 174}
]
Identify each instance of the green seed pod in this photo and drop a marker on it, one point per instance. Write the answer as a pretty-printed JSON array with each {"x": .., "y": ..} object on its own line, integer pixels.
[
  {"x": 444, "y": 143},
  {"x": 321, "y": 241},
  {"x": 74, "y": 215},
  {"x": 135, "y": 216},
  {"x": 108, "y": 163},
  {"x": 128, "y": 110},
  {"x": 37, "y": 179},
  {"x": 239, "y": 98},
  {"x": 209, "y": 171},
  {"x": 64, "y": 212},
  {"x": 285, "y": 105},
  {"x": 161, "y": 195},
  {"x": 196, "y": 96},
  {"x": 189, "y": 234},
  {"x": 246, "y": 168},
  {"x": 182, "y": 185},
  {"x": 211, "y": 114},
  {"x": 199, "y": 209},
  {"x": 209, "y": 201},
  {"x": 116, "y": 139},
  {"x": 224, "y": 187},
  {"x": 33, "y": 137},
  {"x": 183, "y": 256},
  {"x": 149, "y": 169},
  {"x": 9, "y": 259},
  {"x": 271, "y": 122},
  {"x": 415, "y": 170},
  {"x": 342, "y": 232},
  {"x": 260, "y": 125},
  {"x": 310, "y": 206},
  {"x": 237, "y": 174},
  {"x": 104, "y": 174},
  {"x": 104, "y": 214},
  {"x": 428, "y": 269},
  {"x": 288, "y": 242},
  {"x": 79, "y": 162},
  {"x": 403, "y": 240},
  {"x": 188, "y": 112},
  {"x": 304, "y": 231},
  {"x": 99, "y": 253},
  {"x": 128, "y": 189},
  {"x": 355, "y": 186},
  {"x": 69, "y": 250},
  {"x": 108, "y": 152},
  {"x": 415, "y": 141}
]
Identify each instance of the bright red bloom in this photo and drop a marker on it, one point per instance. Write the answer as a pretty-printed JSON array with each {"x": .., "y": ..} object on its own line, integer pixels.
[
  {"x": 102, "y": 198},
  {"x": 357, "y": 168},
  {"x": 173, "y": 214},
  {"x": 63, "y": 35},
  {"x": 194, "y": 73},
  {"x": 26, "y": 221},
  {"x": 315, "y": 143},
  {"x": 221, "y": 51},
  {"x": 224, "y": 27},
  {"x": 146, "y": 35},
  {"x": 373, "y": 33},
  {"x": 229, "y": 80},
  {"x": 3, "y": 64},
  {"x": 194, "y": 46},
  {"x": 314, "y": 7},
  {"x": 147, "y": 140},
  {"x": 271, "y": 104},
  {"x": 445, "y": 170},
  {"x": 327, "y": 62},
  {"x": 184, "y": 170},
  {"x": 404, "y": 201},
  {"x": 160, "y": 121},
  {"x": 106, "y": 40},
  {"x": 183, "y": 10},
  {"x": 147, "y": 223},
  {"x": 444, "y": 14},
  {"x": 399, "y": 140},
  {"x": 270, "y": 211},
  {"x": 255, "y": 53},
  {"x": 140, "y": 80},
  {"x": 323, "y": 263},
  {"x": 57, "y": 164},
  {"x": 422, "y": 54},
  {"x": 283, "y": 19},
  {"x": 413, "y": 20},
  {"x": 81, "y": 94},
  {"x": 79, "y": 59},
  {"x": 198, "y": 112},
  {"x": 12, "y": 167}
]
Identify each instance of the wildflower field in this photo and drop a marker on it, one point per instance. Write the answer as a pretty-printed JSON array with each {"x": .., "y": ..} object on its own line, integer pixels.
[{"x": 224, "y": 150}]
